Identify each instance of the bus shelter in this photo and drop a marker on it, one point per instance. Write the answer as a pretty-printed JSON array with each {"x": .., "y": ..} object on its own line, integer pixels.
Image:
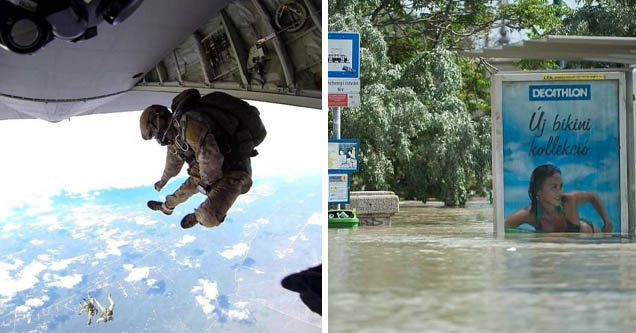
[{"x": 578, "y": 124}]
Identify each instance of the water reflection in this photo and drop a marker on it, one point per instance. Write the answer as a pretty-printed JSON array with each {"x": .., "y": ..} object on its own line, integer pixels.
[{"x": 441, "y": 269}]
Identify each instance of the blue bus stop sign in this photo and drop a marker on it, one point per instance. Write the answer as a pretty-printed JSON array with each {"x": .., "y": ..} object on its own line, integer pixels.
[{"x": 344, "y": 55}]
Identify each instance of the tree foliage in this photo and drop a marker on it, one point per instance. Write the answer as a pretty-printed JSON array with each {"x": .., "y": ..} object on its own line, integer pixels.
[
  {"x": 601, "y": 18},
  {"x": 424, "y": 122},
  {"x": 416, "y": 135},
  {"x": 410, "y": 27}
]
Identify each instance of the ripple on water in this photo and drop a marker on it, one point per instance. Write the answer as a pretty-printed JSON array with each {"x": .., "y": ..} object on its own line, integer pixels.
[{"x": 439, "y": 269}]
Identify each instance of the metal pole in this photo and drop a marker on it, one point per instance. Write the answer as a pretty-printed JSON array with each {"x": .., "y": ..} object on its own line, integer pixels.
[
  {"x": 336, "y": 129},
  {"x": 336, "y": 123}
]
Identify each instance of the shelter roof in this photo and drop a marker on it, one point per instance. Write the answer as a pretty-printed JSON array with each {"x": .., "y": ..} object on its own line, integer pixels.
[{"x": 591, "y": 48}]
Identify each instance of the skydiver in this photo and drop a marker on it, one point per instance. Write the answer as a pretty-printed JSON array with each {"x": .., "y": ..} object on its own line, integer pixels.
[
  {"x": 88, "y": 306},
  {"x": 216, "y": 135},
  {"x": 107, "y": 313}
]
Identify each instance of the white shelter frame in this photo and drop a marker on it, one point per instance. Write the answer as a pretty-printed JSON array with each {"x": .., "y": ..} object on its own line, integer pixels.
[{"x": 497, "y": 138}]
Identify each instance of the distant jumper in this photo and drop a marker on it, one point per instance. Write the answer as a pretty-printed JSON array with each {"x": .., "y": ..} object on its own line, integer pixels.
[
  {"x": 107, "y": 313},
  {"x": 88, "y": 306}
]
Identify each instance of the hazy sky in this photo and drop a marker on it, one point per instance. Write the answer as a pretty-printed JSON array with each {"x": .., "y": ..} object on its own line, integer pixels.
[
  {"x": 88, "y": 153},
  {"x": 517, "y": 36}
]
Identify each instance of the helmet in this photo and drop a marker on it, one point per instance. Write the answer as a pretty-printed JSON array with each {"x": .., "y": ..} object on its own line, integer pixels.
[{"x": 154, "y": 122}]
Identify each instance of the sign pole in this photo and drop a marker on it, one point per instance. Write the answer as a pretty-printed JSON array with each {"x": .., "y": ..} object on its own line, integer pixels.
[
  {"x": 336, "y": 123},
  {"x": 343, "y": 60},
  {"x": 336, "y": 128}
]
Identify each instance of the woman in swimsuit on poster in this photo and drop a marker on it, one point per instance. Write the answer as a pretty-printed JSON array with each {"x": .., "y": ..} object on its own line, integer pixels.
[{"x": 551, "y": 210}]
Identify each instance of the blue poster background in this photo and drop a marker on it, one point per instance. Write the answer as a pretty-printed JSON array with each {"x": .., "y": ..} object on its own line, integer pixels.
[{"x": 591, "y": 162}]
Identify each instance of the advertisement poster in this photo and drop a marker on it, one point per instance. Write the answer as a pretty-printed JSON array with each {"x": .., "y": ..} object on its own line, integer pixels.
[
  {"x": 561, "y": 155},
  {"x": 343, "y": 154},
  {"x": 338, "y": 188}
]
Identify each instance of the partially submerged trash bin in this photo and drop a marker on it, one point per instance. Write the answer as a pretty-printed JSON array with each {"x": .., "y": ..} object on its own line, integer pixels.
[{"x": 342, "y": 218}]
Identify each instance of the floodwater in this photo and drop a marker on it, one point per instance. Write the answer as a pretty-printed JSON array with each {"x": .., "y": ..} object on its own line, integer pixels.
[{"x": 442, "y": 270}]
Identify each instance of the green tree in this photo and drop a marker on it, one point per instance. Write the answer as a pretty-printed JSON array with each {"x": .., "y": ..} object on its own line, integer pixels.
[
  {"x": 601, "y": 18},
  {"x": 420, "y": 25},
  {"x": 424, "y": 122},
  {"x": 404, "y": 110},
  {"x": 592, "y": 18}
]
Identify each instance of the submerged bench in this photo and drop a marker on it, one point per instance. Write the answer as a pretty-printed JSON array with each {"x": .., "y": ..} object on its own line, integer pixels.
[{"x": 374, "y": 207}]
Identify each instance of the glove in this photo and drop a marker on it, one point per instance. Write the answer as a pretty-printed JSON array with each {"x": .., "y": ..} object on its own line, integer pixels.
[
  {"x": 203, "y": 189},
  {"x": 159, "y": 185}
]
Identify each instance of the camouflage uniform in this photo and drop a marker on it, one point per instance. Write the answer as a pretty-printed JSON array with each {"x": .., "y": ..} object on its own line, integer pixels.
[
  {"x": 107, "y": 313},
  {"x": 88, "y": 306},
  {"x": 226, "y": 176}
]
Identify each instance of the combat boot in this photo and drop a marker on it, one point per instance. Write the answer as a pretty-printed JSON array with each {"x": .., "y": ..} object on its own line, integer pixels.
[
  {"x": 189, "y": 221},
  {"x": 161, "y": 206}
]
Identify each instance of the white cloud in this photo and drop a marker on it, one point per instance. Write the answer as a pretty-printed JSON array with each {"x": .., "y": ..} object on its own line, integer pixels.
[
  {"x": 518, "y": 163},
  {"x": 209, "y": 292},
  {"x": 68, "y": 281},
  {"x": 144, "y": 220},
  {"x": 315, "y": 219},
  {"x": 259, "y": 222},
  {"x": 205, "y": 303},
  {"x": 112, "y": 248},
  {"x": 238, "y": 314},
  {"x": 44, "y": 257},
  {"x": 136, "y": 274},
  {"x": 25, "y": 279},
  {"x": 209, "y": 288},
  {"x": 36, "y": 302},
  {"x": 105, "y": 234},
  {"x": 6, "y": 268},
  {"x": 282, "y": 253},
  {"x": 36, "y": 242},
  {"x": 8, "y": 227},
  {"x": 92, "y": 216},
  {"x": 38, "y": 205},
  {"x": 22, "y": 309},
  {"x": 237, "y": 250},
  {"x": 63, "y": 263},
  {"x": 186, "y": 262},
  {"x": 185, "y": 240},
  {"x": 50, "y": 222},
  {"x": 140, "y": 244},
  {"x": 571, "y": 173},
  {"x": 32, "y": 269}
]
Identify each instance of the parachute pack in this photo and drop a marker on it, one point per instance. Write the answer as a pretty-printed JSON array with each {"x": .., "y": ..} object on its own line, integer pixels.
[{"x": 239, "y": 120}]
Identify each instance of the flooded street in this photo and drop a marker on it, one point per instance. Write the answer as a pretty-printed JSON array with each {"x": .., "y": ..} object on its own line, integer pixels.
[{"x": 442, "y": 270}]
